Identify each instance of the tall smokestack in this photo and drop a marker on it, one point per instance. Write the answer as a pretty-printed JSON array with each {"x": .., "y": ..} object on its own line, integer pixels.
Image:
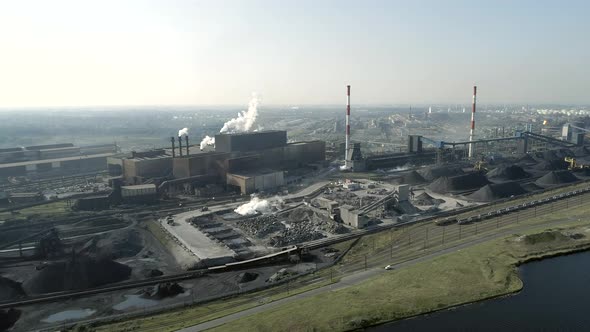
[
  {"x": 173, "y": 147},
  {"x": 180, "y": 146},
  {"x": 186, "y": 141},
  {"x": 471, "y": 132},
  {"x": 347, "y": 126}
]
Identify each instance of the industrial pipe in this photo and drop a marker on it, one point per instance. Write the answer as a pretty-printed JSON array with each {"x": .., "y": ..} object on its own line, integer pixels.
[{"x": 472, "y": 131}]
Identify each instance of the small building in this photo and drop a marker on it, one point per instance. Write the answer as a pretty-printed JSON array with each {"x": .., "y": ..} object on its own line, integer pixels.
[
  {"x": 353, "y": 217},
  {"x": 325, "y": 203},
  {"x": 143, "y": 193},
  {"x": 352, "y": 186},
  {"x": 251, "y": 182}
]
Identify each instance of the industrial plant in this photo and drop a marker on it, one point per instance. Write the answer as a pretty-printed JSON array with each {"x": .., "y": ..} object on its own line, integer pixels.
[{"x": 116, "y": 231}]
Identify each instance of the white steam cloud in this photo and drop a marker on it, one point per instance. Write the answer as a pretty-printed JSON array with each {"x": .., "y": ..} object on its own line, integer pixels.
[
  {"x": 243, "y": 122},
  {"x": 183, "y": 132},
  {"x": 245, "y": 119},
  {"x": 257, "y": 205},
  {"x": 208, "y": 140}
]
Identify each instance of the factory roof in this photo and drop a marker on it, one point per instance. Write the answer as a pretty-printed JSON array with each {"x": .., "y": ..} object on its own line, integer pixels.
[
  {"x": 251, "y": 132},
  {"x": 140, "y": 186},
  {"x": 249, "y": 174},
  {"x": 47, "y": 161}
]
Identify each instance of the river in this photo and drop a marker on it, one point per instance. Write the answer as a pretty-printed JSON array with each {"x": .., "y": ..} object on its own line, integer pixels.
[{"x": 555, "y": 296}]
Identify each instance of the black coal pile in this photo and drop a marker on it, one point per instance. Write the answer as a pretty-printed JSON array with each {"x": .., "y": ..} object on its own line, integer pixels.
[
  {"x": 496, "y": 191},
  {"x": 425, "y": 199},
  {"x": 508, "y": 172},
  {"x": 8, "y": 318},
  {"x": 164, "y": 290},
  {"x": 551, "y": 165},
  {"x": 79, "y": 273},
  {"x": 458, "y": 183},
  {"x": 548, "y": 155},
  {"x": 580, "y": 151},
  {"x": 562, "y": 153},
  {"x": 527, "y": 159},
  {"x": 530, "y": 187},
  {"x": 126, "y": 243},
  {"x": 413, "y": 178},
  {"x": 10, "y": 289},
  {"x": 433, "y": 173},
  {"x": 245, "y": 277},
  {"x": 556, "y": 178},
  {"x": 151, "y": 273}
]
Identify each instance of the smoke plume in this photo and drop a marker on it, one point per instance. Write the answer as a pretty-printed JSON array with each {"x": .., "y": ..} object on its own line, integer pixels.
[
  {"x": 243, "y": 122},
  {"x": 257, "y": 205},
  {"x": 245, "y": 119},
  {"x": 208, "y": 140},
  {"x": 183, "y": 132}
]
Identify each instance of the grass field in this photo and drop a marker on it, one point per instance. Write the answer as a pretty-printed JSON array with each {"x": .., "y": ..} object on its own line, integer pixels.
[{"x": 52, "y": 209}]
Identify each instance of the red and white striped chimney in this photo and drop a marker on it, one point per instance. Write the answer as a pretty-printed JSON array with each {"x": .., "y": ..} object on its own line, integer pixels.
[
  {"x": 347, "y": 126},
  {"x": 471, "y": 132}
]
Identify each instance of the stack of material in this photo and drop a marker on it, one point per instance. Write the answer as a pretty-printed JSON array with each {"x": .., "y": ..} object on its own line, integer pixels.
[
  {"x": 10, "y": 289},
  {"x": 413, "y": 178},
  {"x": 508, "y": 172},
  {"x": 496, "y": 191},
  {"x": 458, "y": 183},
  {"x": 433, "y": 173},
  {"x": 527, "y": 160},
  {"x": 530, "y": 187},
  {"x": 580, "y": 151},
  {"x": 550, "y": 165},
  {"x": 556, "y": 178},
  {"x": 79, "y": 273},
  {"x": 425, "y": 199}
]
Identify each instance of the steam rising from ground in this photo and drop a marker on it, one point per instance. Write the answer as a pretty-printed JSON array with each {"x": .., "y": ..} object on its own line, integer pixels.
[
  {"x": 183, "y": 132},
  {"x": 257, "y": 205},
  {"x": 242, "y": 123}
]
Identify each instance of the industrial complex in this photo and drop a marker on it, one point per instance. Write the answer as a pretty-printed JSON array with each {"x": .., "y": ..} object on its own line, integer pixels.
[{"x": 253, "y": 210}]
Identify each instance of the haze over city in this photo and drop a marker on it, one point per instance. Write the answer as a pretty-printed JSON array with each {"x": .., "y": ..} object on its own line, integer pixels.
[{"x": 82, "y": 53}]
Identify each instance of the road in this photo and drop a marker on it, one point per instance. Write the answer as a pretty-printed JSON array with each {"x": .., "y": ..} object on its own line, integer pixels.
[{"x": 359, "y": 277}]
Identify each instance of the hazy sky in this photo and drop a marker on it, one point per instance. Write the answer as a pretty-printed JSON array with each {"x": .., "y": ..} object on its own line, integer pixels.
[{"x": 142, "y": 52}]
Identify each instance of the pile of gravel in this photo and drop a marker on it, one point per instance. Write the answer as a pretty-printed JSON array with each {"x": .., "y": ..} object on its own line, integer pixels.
[
  {"x": 245, "y": 277},
  {"x": 80, "y": 273},
  {"x": 435, "y": 172},
  {"x": 164, "y": 290},
  {"x": 458, "y": 183},
  {"x": 555, "y": 178},
  {"x": 425, "y": 199},
  {"x": 496, "y": 191},
  {"x": 10, "y": 289}
]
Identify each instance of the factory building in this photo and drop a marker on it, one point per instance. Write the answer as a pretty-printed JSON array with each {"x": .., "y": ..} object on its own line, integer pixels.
[
  {"x": 353, "y": 217},
  {"x": 54, "y": 159},
  {"x": 145, "y": 165},
  {"x": 251, "y": 182},
  {"x": 248, "y": 162},
  {"x": 251, "y": 141}
]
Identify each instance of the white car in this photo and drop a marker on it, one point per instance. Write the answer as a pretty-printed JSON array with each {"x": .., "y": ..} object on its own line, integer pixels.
[{"x": 389, "y": 267}]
